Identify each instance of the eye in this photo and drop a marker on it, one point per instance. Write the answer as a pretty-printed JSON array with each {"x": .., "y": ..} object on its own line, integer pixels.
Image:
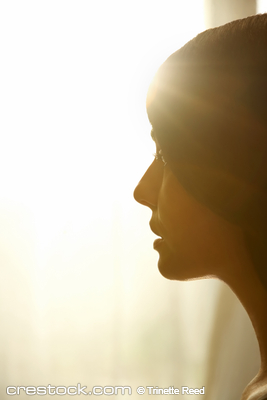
[{"x": 159, "y": 157}]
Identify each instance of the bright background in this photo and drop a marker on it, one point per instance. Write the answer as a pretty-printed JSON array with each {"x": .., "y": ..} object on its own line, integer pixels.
[{"x": 81, "y": 297}]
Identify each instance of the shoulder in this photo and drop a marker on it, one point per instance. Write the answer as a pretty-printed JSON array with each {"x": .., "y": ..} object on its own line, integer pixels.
[
  {"x": 260, "y": 393},
  {"x": 256, "y": 389}
]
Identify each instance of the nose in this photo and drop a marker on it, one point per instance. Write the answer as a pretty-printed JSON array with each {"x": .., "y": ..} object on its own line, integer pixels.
[{"x": 147, "y": 190}]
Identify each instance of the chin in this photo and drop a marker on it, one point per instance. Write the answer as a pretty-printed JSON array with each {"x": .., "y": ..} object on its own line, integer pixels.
[
  {"x": 166, "y": 271},
  {"x": 172, "y": 268}
]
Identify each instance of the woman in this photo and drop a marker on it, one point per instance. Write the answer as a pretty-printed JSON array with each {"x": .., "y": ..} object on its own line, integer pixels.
[{"x": 207, "y": 187}]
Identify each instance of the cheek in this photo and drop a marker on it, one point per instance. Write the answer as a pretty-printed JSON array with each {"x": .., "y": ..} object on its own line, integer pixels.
[
  {"x": 186, "y": 253},
  {"x": 179, "y": 256},
  {"x": 177, "y": 217},
  {"x": 190, "y": 233}
]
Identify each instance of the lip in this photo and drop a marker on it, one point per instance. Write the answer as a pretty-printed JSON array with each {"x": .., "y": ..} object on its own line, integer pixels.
[
  {"x": 157, "y": 243},
  {"x": 153, "y": 229}
]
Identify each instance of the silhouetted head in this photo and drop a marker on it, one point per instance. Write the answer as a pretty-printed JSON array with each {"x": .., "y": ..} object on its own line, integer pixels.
[{"x": 208, "y": 109}]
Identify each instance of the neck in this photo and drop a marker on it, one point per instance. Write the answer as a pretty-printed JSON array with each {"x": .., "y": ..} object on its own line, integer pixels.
[
  {"x": 253, "y": 296},
  {"x": 254, "y": 299}
]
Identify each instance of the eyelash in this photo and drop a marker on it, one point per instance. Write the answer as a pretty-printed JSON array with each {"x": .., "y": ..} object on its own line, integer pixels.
[{"x": 159, "y": 157}]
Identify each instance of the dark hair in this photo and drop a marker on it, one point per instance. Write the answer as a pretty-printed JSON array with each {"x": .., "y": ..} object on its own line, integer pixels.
[{"x": 208, "y": 109}]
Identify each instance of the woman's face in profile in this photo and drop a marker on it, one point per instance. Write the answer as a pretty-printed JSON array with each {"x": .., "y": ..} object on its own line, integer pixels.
[{"x": 195, "y": 241}]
